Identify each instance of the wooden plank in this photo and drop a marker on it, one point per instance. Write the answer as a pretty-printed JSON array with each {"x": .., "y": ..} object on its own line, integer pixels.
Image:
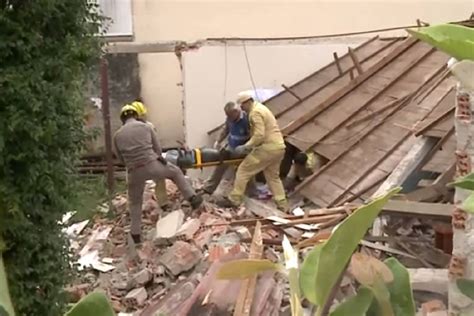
[
  {"x": 411, "y": 208},
  {"x": 435, "y": 121},
  {"x": 413, "y": 253},
  {"x": 356, "y": 82},
  {"x": 355, "y": 60},
  {"x": 248, "y": 286},
  {"x": 338, "y": 64},
  {"x": 291, "y": 92},
  {"x": 385, "y": 248},
  {"x": 348, "y": 148},
  {"x": 426, "y": 194},
  {"x": 399, "y": 175},
  {"x": 361, "y": 192},
  {"x": 445, "y": 74},
  {"x": 370, "y": 168},
  {"x": 329, "y": 82},
  {"x": 374, "y": 97},
  {"x": 377, "y": 112},
  {"x": 435, "y": 148},
  {"x": 407, "y": 165}
]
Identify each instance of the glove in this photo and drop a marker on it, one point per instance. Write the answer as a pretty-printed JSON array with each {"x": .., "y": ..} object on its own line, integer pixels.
[
  {"x": 162, "y": 160},
  {"x": 242, "y": 150}
]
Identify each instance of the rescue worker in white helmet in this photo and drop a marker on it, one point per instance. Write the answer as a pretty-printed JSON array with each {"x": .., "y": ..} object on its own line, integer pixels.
[{"x": 265, "y": 148}]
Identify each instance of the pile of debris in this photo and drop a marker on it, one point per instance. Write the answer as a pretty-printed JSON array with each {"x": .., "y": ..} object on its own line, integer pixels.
[{"x": 174, "y": 270}]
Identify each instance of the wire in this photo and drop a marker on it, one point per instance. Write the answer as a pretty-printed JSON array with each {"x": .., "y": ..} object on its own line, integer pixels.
[
  {"x": 250, "y": 71},
  {"x": 225, "y": 73}
]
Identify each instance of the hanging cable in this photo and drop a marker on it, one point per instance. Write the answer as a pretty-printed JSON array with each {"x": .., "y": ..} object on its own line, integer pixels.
[
  {"x": 250, "y": 71},
  {"x": 225, "y": 73}
]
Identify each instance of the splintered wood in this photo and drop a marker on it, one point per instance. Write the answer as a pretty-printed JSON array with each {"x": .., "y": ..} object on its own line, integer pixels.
[{"x": 247, "y": 288}]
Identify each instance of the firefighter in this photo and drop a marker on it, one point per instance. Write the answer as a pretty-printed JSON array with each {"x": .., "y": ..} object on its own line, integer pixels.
[
  {"x": 304, "y": 165},
  {"x": 265, "y": 149},
  {"x": 160, "y": 185},
  {"x": 237, "y": 132},
  {"x": 137, "y": 146}
]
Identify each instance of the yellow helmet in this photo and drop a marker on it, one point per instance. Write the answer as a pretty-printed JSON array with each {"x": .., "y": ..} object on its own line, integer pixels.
[
  {"x": 140, "y": 107},
  {"x": 126, "y": 108}
]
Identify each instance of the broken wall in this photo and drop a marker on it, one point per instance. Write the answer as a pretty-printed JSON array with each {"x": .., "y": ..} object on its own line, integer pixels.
[
  {"x": 190, "y": 20},
  {"x": 214, "y": 75},
  {"x": 124, "y": 86}
]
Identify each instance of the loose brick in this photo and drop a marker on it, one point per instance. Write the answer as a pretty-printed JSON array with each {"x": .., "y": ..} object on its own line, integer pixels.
[
  {"x": 136, "y": 297},
  {"x": 181, "y": 257}
]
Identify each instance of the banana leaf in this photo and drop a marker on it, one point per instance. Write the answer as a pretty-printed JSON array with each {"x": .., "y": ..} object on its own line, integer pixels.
[
  {"x": 455, "y": 40},
  {"x": 338, "y": 249}
]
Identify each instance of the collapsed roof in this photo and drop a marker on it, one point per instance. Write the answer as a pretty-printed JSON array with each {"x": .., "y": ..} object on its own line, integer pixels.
[{"x": 364, "y": 112}]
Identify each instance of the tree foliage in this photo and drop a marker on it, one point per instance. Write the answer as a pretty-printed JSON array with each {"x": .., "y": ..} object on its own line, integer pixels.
[{"x": 46, "y": 49}]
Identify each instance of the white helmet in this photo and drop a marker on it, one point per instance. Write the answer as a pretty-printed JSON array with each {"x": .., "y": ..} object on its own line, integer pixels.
[{"x": 244, "y": 96}]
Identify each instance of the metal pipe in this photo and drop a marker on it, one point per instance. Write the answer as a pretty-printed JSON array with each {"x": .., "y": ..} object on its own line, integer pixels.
[{"x": 104, "y": 83}]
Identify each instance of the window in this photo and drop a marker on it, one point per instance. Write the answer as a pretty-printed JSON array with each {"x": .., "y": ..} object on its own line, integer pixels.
[{"x": 120, "y": 14}]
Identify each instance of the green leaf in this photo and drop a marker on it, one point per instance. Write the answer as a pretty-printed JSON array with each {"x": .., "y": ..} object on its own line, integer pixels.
[
  {"x": 291, "y": 265},
  {"x": 5, "y": 300},
  {"x": 308, "y": 274},
  {"x": 356, "y": 305},
  {"x": 95, "y": 303},
  {"x": 3, "y": 311},
  {"x": 295, "y": 295},
  {"x": 468, "y": 204},
  {"x": 337, "y": 251},
  {"x": 401, "y": 294},
  {"x": 455, "y": 40},
  {"x": 245, "y": 268},
  {"x": 382, "y": 296},
  {"x": 466, "y": 182},
  {"x": 466, "y": 287}
]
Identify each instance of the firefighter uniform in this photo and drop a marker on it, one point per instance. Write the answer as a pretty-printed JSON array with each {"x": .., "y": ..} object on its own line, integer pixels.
[
  {"x": 160, "y": 185},
  {"x": 137, "y": 146},
  {"x": 267, "y": 149}
]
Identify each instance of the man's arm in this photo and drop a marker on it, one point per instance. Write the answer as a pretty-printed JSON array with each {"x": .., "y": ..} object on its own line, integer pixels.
[
  {"x": 258, "y": 128},
  {"x": 223, "y": 134},
  {"x": 155, "y": 142}
]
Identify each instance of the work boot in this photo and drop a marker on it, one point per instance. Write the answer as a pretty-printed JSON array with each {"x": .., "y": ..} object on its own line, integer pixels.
[
  {"x": 226, "y": 203},
  {"x": 196, "y": 201},
  {"x": 137, "y": 239},
  {"x": 283, "y": 206}
]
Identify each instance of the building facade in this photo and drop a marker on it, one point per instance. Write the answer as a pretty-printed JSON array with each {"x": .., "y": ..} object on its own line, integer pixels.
[{"x": 185, "y": 96}]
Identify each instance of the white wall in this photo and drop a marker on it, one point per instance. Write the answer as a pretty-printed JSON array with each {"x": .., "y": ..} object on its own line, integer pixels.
[{"x": 271, "y": 66}]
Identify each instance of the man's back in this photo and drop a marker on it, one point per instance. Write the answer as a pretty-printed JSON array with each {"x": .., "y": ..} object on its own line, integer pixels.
[
  {"x": 273, "y": 136},
  {"x": 134, "y": 142}
]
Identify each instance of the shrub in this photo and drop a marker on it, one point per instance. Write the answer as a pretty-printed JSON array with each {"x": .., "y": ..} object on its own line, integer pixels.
[{"x": 46, "y": 49}]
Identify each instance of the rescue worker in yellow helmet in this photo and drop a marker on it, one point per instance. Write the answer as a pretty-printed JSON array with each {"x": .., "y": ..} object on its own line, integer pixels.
[
  {"x": 160, "y": 185},
  {"x": 137, "y": 146},
  {"x": 266, "y": 149},
  {"x": 304, "y": 165}
]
